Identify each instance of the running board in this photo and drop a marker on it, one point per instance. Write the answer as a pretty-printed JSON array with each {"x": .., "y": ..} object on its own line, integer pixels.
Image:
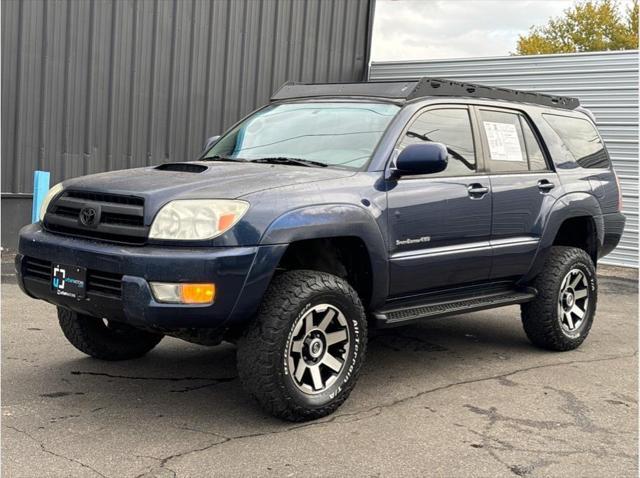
[{"x": 391, "y": 316}]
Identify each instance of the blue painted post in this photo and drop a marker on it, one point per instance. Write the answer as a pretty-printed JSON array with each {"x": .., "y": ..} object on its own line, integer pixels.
[{"x": 40, "y": 188}]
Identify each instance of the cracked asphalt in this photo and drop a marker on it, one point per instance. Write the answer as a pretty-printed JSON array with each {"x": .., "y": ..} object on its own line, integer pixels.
[{"x": 460, "y": 396}]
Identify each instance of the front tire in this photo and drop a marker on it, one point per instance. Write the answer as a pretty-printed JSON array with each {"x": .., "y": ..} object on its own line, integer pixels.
[
  {"x": 560, "y": 317},
  {"x": 301, "y": 355},
  {"x": 105, "y": 340}
]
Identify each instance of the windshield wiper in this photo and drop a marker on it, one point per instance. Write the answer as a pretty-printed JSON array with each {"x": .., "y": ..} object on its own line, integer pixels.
[
  {"x": 294, "y": 161},
  {"x": 224, "y": 158}
]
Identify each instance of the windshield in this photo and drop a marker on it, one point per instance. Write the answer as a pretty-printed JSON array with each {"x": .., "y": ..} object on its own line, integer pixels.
[{"x": 334, "y": 134}]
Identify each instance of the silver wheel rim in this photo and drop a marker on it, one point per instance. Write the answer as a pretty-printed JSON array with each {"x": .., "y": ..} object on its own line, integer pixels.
[
  {"x": 318, "y": 348},
  {"x": 573, "y": 300}
]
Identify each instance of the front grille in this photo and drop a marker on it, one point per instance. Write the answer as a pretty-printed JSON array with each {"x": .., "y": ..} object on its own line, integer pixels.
[
  {"x": 119, "y": 218},
  {"x": 106, "y": 197},
  {"x": 101, "y": 282}
]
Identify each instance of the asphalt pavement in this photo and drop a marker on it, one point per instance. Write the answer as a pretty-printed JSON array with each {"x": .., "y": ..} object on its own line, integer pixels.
[{"x": 454, "y": 397}]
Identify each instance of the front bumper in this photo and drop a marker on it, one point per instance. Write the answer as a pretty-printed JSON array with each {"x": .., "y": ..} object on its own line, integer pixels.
[{"x": 241, "y": 275}]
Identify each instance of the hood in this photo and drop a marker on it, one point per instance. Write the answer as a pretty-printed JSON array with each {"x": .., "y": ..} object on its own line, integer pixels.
[{"x": 202, "y": 179}]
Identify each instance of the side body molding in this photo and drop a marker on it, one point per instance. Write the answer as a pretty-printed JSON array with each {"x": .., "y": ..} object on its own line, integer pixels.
[
  {"x": 336, "y": 220},
  {"x": 570, "y": 205}
]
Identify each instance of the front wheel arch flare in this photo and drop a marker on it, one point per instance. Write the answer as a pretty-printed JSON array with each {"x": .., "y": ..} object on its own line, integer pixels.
[{"x": 336, "y": 220}]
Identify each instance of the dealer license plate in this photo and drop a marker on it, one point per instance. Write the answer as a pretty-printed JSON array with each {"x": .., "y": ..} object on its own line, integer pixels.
[{"x": 69, "y": 281}]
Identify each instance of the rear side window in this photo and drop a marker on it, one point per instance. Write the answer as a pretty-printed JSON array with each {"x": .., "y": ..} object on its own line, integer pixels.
[
  {"x": 451, "y": 127},
  {"x": 510, "y": 143},
  {"x": 504, "y": 141},
  {"x": 581, "y": 139}
]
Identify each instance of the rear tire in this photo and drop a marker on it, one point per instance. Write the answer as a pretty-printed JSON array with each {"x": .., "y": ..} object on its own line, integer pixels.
[
  {"x": 561, "y": 315},
  {"x": 301, "y": 355},
  {"x": 105, "y": 341}
]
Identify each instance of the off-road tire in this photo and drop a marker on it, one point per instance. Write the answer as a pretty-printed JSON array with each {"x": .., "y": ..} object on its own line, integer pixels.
[
  {"x": 115, "y": 341},
  {"x": 263, "y": 349},
  {"x": 540, "y": 317}
]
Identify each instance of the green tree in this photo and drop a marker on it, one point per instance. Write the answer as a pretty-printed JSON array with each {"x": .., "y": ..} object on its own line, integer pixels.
[{"x": 591, "y": 25}]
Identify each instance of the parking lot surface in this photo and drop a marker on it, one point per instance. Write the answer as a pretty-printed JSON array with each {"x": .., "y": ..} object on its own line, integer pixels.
[{"x": 460, "y": 396}]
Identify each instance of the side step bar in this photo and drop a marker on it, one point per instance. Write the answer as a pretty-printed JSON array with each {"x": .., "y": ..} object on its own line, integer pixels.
[{"x": 389, "y": 317}]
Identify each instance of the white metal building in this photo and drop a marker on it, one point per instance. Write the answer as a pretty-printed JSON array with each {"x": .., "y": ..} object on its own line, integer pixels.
[{"x": 605, "y": 82}]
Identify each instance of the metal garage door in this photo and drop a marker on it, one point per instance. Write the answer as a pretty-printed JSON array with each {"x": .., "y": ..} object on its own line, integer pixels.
[{"x": 605, "y": 82}]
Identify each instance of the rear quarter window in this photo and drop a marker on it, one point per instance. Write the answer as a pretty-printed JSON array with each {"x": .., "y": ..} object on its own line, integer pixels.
[{"x": 581, "y": 139}]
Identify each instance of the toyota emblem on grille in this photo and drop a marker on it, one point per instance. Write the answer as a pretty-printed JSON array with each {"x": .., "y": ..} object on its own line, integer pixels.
[{"x": 88, "y": 216}]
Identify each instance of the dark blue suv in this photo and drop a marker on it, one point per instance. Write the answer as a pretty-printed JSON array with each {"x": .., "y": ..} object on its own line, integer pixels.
[{"x": 332, "y": 210}]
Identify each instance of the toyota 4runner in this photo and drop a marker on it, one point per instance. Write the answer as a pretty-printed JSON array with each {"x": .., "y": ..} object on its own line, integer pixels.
[{"x": 335, "y": 209}]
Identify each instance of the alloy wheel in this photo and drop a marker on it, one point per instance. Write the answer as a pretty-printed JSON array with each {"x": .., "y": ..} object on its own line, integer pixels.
[
  {"x": 318, "y": 348},
  {"x": 573, "y": 300}
]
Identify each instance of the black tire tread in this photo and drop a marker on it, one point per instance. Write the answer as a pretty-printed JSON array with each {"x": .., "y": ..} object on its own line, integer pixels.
[
  {"x": 539, "y": 316},
  {"x": 259, "y": 351},
  {"x": 90, "y": 336}
]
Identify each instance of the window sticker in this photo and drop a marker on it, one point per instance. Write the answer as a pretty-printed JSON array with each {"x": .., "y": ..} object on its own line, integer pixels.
[{"x": 504, "y": 144}]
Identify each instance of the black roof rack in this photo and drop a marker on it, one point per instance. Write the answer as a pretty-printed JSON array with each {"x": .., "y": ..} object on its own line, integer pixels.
[
  {"x": 382, "y": 89},
  {"x": 423, "y": 88}
]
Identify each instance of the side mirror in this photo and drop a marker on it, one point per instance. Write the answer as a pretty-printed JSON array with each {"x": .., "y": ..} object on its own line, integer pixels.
[
  {"x": 210, "y": 142},
  {"x": 422, "y": 158}
]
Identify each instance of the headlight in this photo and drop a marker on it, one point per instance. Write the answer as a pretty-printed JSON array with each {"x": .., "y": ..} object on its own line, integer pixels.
[
  {"x": 196, "y": 219},
  {"x": 53, "y": 192}
]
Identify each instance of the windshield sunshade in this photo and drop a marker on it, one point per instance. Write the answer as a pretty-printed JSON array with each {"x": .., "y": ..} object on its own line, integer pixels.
[{"x": 334, "y": 134}]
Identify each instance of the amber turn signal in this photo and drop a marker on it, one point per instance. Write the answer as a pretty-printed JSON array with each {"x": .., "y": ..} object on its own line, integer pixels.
[
  {"x": 179, "y": 293},
  {"x": 197, "y": 293}
]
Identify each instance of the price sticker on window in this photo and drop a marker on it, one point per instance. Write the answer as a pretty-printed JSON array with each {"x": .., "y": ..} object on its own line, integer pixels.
[{"x": 504, "y": 144}]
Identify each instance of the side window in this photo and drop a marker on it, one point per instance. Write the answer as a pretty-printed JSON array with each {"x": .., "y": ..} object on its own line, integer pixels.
[
  {"x": 504, "y": 141},
  {"x": 451, "y": 127},
  {"x": 537, "y": 162},
  {"x": 581, "y": 139}
]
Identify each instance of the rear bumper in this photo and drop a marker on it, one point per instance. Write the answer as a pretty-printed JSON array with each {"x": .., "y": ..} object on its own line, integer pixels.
[
  {"x": 613, "y": 229},
  {"x": 241, "y": 275}
]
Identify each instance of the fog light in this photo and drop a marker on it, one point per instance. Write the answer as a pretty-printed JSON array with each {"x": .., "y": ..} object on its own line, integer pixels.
[{"x": 183, "y": 293}]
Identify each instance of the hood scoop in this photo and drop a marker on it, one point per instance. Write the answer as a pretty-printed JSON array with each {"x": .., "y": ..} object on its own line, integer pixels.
[{"x": 182, "y": 167}]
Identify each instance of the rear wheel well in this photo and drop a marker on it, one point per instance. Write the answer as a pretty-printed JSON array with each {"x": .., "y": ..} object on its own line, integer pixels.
[
  {"x": 579, "y": 232},
  {"x": 346, "y": 257}
]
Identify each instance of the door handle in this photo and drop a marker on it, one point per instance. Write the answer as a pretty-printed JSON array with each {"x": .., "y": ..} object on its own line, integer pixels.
[
  {"x": 545, "y": 185},
  {"x": 476, "y": 190}
]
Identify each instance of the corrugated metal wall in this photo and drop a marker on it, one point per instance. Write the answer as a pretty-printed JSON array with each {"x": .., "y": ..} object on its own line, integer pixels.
[
  {"x": 605, "y": 82},
  {"x": 95, "y": 85}
]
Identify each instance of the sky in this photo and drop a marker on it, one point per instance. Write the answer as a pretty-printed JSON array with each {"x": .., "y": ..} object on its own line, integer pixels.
[{"x": 430, "y": 29}]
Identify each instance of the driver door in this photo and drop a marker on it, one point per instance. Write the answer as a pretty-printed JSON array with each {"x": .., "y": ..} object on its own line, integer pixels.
[{"x": 440, "y": 224}]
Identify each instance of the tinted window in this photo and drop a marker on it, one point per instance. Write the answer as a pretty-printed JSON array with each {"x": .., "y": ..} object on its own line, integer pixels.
[
  {"x": 581, "y": 139},
  {"x": 536, "y": 157},
  {"x": 451, "y": 127},
  {"x": 506, "y": 150}
]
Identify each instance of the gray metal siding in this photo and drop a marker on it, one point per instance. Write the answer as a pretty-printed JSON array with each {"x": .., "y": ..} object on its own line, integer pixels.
[
  {"x": 96, "y": 85},
  {"x": 605, "y": 82}
]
